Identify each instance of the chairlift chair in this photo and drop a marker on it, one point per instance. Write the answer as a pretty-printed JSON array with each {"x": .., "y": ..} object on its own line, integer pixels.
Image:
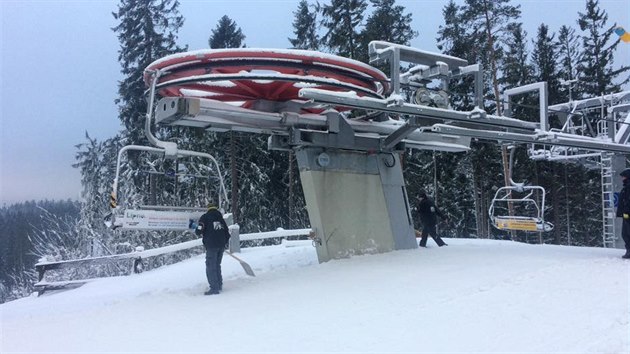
[
  {"x": 159, "y": 217},
  {"x": 533, "y": 223},
  {"x": 506, "y": 197}
]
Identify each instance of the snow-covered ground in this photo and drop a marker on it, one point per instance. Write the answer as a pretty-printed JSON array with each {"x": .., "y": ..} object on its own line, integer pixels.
[{"x": 472, "y": 296}]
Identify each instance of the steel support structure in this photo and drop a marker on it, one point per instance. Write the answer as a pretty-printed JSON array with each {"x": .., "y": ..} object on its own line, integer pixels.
[{"x": 362, "y": 149}]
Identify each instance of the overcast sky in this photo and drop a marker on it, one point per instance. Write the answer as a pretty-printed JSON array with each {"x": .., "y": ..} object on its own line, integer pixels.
[{"x": 60, "y": 72}]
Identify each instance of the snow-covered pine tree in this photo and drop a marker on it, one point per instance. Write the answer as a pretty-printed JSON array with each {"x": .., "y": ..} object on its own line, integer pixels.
[
  {"x": 577, "y": 208},
  {"x": 489, "y": 21},
  {"x": 453, "y": 39},
  {"x": 583, "y": 198},
  {"x": 305, "y": 27},
  {"x": 20, "y": 225},
  {"x": 388, "y": 22},
  {"x": 457, "y": 192},
  {"x": 89, "y": 157},
  {"x": 596, "y": 73},
  {"x": 568, "y": 59},
  {"x": 343, "y": 20},
  {"x": 515, "y": 67},
  {"x": 254, "y": 165},
  {"x": 516, "y": 71},
  {"x": 227, "y": 34},
  {"x": 597, "y": 76},
  {"x": 544, "y": 59},
  {"x": 147, "y": 30}
]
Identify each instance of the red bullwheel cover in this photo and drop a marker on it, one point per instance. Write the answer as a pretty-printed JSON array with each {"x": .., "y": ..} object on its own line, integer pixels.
[{"x": 244, "y": 75}]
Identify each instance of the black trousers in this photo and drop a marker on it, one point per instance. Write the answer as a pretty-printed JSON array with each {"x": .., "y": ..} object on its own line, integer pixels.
[
  {"x": 625, "y": 233},
  {"x": 429, "y": 230},
  {"x": 213, "y": 268}
]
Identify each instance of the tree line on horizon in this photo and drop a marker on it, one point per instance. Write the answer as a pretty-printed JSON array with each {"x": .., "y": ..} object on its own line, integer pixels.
[{"x": 264, "y": 187}]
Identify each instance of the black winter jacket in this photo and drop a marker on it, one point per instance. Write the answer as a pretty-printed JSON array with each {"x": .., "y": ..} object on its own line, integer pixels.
[
  {"x": 623, "y": 206},
  {"x": 213, "y": 228},
  {"x": 428, "y": 211}
]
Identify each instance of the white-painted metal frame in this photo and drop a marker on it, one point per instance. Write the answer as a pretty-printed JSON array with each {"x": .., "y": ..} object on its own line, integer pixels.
[{"x": 168, "y": 150}]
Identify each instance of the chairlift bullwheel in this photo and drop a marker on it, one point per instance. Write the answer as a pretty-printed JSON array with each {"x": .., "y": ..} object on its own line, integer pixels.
[{"x": 243, "y": 76}]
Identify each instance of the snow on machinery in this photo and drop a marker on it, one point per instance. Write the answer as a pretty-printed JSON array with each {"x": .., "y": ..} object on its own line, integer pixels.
[{"x": 612, "y": 125}]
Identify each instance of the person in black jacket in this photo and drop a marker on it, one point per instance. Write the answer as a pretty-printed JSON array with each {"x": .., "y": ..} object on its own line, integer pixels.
[
  {"x": 215, "y": 237},
  {"x": 623, "y": 210},
  {"x": 428, "y": 212}
]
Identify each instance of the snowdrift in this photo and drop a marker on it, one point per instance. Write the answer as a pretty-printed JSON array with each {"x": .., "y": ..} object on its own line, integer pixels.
[{"x": 472, "y": 296}]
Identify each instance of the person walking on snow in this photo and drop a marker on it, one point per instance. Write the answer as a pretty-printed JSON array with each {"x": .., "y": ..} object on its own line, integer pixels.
[
  {"x": 623, "y": 210},
  {"x": 428, "y": 212},
  {"x": 215, "y": 236}
]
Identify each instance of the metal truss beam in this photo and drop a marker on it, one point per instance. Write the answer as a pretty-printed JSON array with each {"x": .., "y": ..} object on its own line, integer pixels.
[
  {"x": 380, "y": 51},
  {"x": 550, "y": 138},
  {"x": 475, "y": 117},
  {"x": 307, "y": 129}
]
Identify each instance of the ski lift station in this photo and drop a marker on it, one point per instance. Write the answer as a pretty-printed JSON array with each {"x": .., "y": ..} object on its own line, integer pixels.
[{"x": 350, "y": 165}]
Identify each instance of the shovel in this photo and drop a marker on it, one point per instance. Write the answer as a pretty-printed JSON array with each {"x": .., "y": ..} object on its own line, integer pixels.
[{"x": 244, "y": 264}]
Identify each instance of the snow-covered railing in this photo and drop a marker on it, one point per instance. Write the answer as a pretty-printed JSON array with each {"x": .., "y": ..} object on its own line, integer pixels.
[
  {"x": 141, "y": 254},
  {"x": 280, "y": 232}
]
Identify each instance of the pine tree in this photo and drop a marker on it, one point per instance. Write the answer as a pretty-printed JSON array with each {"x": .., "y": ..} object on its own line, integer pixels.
[
  {"x": 20, "y": 224},
  {"x": 147, "y": 31},
  {"x": 461, "y": 195},
  {"x": 89, "y": 162},
  {"x": 515, "y": 67},
  {"x": 305, "y": 27},
  {"x": 568, "y": 59},
  {"x": 596, "y": 73},
  {"x": 388, "y": 22},
  {"x": 489, "y": 21},
  {"x": 226, "y": 35},
  {"x": 293, "y": 205},
  {"x": 474, "y": 32},
  {"x": 452, "y": 37},
  {"x": 343, "y": 19},
  {"x": 544, "y": 58},
  {"x": 454, "y": 40}
]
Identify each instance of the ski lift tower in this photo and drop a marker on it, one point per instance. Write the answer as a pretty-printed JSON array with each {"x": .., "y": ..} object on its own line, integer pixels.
[
  {"x": 349, "y": 165},
  {"x": 613, "y": 126}
]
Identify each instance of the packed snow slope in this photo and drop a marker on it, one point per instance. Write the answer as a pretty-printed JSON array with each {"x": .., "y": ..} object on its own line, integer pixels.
[{"x": 472, "y": 296}]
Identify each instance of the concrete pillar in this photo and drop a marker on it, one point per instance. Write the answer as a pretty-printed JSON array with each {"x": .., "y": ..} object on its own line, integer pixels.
[
  {"x": 235, "y": 240},
  {"x": 356, "y": 201}
]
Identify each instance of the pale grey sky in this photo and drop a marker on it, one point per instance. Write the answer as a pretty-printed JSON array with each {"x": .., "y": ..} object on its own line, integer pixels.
[{"x": 59, "y": 72}]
